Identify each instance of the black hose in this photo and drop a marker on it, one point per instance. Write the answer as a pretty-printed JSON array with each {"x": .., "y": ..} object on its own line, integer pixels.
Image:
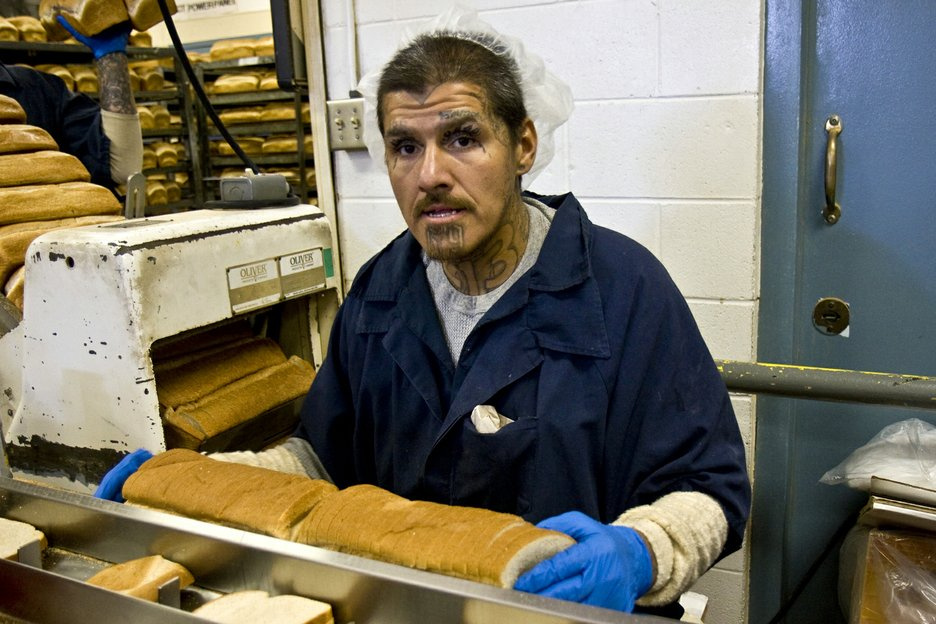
[{"x": 199, "y": 91}]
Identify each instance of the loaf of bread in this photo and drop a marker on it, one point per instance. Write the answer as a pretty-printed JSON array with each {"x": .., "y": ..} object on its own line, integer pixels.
[
  {"x": 30, "y": 28},
  {"x": 156, "y": 193},
  {"x": 141, "y": 578},
  {"x": 55, "y": 201},
  {"x": 245, "y": 497},
  {"x": 241, "y": 115},
  {"x": 166, "y": 154},
  {"x": 250, "y": 145},
  {"x": 161, "y": 117},
  {"x": 263, "y": 46},
  {"x": 277, "y": 111},
  {"x": 152, "y": 80},
  {"x": 181, "y": 381},
  {"x": 227, "y": 49},
  {"x": 15, "y": 238},
  {"x": 86, "y": 79},
  {"x": 144, "y": 14},
  {"x": 11, "y": 112},
  {"x": 466, "y": 542},
  {"x": 8, "y": 31},
  {"x": 191, "y": 424},
  {"x": 140, "y": 40},
  {"x": 147, "y": 119},
  {"x": 61, "y": 71},
  {"x": 365, "y": 520},
  {"x": 173, "y": 191},
  {"x": 88, "y": 17},
  {"x": 236, "y": 83},
  {"x": 17, "y": 138},
  {"x": 14, "y": 535},
  {"x": 286, "y": 144},
  {"x": 268, "y": 82},
  {"x": 258, "y": 607},
  {"x": 42, "y": 167}
]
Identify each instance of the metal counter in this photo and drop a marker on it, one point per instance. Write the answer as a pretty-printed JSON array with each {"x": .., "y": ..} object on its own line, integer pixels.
[{"x": 361, "y": 591}]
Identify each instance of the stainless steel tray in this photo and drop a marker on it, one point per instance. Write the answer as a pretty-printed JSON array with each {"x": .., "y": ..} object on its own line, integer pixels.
[{"x": 85, "y": 533}]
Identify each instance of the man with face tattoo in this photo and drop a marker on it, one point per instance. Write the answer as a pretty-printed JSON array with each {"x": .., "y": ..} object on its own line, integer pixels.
[
  {"x": 106, "y": 138},
  {"x": 504, "y": 352}
]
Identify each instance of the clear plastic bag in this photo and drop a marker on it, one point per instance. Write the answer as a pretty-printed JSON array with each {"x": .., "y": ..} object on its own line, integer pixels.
[
  {"x": 904, "y": 451},
  {"x": 888, "y": 576}
]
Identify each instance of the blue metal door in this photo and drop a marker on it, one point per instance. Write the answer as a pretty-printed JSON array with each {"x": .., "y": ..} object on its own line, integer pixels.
[{"x": 873, "y": 64}]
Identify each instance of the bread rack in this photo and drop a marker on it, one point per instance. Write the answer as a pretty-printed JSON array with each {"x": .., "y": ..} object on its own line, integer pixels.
[
  {"x": 82, "y": 530},
  {"x": 77, "y": 374}
]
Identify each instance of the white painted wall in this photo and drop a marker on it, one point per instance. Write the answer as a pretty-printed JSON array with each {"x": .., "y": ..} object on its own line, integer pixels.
[{"x": 664, "y": 145}]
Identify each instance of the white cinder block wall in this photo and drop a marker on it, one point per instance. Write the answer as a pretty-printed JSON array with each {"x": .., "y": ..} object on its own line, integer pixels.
[{"x": 664, "y": 145}]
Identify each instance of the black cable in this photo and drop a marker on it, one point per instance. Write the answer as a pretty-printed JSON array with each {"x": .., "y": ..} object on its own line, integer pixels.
[
  {"x": 199, "y": 91},
  {"x": 837, "y": 537}
]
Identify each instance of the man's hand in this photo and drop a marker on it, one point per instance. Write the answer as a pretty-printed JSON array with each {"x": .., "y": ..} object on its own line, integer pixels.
[
  {"x": 109, "y": 40},
  {"x": 609, "y": 567},
  {"x": 112, "y": 484}
]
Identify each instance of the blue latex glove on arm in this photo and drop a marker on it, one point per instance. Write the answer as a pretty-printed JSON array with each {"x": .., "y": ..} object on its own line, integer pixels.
[
  {"x": 609, "y": 567},
  {"x": 112, "y": 484},
  {"x": 109, "y": 40}
]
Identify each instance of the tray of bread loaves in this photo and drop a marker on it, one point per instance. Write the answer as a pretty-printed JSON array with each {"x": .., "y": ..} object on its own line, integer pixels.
[{"x": 205, "y": 540}]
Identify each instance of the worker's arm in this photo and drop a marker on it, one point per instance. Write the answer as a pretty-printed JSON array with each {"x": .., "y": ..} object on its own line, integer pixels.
[
  {"x": 650, "y": 555},
  {"x": 119, "y": 116}
]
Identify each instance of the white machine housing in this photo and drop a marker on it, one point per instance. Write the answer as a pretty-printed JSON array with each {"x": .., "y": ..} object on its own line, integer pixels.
[{"x": 78, "y": 378}]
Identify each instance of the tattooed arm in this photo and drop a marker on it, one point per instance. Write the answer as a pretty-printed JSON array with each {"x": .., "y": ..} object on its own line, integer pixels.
[{"x": 119, "y": 116}]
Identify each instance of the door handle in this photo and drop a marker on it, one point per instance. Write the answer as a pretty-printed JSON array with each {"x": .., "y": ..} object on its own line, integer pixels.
[{"x": 832, "y": 210}]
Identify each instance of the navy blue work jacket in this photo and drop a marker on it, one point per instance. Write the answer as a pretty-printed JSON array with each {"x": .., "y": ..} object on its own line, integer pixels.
[
  {"x": 593, "y": 353},
  {"x": 72, "y": 119}
]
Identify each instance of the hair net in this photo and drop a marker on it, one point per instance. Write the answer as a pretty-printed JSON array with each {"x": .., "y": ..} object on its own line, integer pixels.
[{"x": 548, "y": 100}]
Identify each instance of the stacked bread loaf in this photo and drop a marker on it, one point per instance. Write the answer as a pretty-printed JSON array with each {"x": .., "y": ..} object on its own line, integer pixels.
[
  {"x": 218, "y": 380},
  {"x": 470, "y": 543},
  {"x": 89, "y": 17},
  {"x": 41, "y": 189}
]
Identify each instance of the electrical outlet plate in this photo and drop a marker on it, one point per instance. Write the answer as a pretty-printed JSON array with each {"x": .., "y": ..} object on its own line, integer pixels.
[{"x": 346, "y": 124}]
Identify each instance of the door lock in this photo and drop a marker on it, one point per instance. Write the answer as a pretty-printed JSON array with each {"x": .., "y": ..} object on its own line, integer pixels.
[{"x": 830, "y": 316}]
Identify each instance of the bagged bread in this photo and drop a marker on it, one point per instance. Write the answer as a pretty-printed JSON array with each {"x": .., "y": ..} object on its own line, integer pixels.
[
  {"x": 141, "y": 578},
  {"x": 11, "y": 112},
  {"x": 55, "y": 201},
  {"x": 258, "y": 607},
  {"x": 14, "y": 535},
  {"x": 42, "y": 167},
  {"x": 245, "y": 497},
  {"x": 16, "y": 138},
  {"x": 191, "y": 424}
]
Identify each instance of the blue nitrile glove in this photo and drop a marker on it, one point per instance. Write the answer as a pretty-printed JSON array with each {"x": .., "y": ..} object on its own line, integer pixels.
[
  {"x": 609, "y": 567},
  {"x": 112, "y": 484},
  {"x": 112, "y": 39}
]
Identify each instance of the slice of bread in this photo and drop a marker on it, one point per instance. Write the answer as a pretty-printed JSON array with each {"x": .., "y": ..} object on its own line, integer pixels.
[
  {"x": 14, "y": 535},
  {"x": 258, "y": 607},
  {"x": 142, "y": 577}
]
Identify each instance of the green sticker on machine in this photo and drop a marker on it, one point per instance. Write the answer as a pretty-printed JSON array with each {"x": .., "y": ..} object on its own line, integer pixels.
[{"x": 329, "y": 268}]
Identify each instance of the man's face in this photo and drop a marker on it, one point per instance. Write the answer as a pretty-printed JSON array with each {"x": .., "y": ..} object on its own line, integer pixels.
[{"x": 452, "y": 168}]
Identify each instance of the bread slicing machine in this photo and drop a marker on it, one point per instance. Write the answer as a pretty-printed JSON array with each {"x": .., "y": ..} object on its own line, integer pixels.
[{"x": 77, "y": 373}]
